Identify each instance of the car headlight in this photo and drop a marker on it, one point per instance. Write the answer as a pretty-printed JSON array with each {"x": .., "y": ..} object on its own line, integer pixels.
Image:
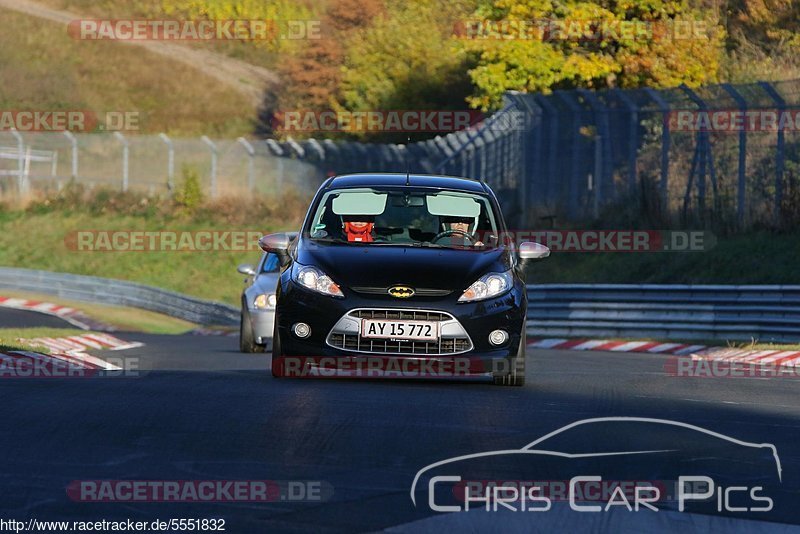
[
  {"x": 315, "y": 280},
  {"x": 488, "y": 286},
  {"x": 264, "y": 302}
]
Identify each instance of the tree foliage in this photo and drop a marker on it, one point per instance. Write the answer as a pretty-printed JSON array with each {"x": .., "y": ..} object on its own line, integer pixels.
[
  {"x": 771, "y": 23},
  {"x": 276, "y": 12},
  {"x": 407, "y": 60},
  {"x": 313, "y": 75},
  {"x": 539, "y": 45}
]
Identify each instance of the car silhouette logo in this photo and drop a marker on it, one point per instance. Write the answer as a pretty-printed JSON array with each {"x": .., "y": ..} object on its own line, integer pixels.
[{"x": 401, "y": 292}]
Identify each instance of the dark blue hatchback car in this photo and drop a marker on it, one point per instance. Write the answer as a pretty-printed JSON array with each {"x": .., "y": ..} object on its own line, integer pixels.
[{"x": 406, "y": 272}]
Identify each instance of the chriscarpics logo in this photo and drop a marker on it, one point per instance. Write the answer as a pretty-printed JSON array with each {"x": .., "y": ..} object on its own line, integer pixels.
[{"x": 606, "y": 464}]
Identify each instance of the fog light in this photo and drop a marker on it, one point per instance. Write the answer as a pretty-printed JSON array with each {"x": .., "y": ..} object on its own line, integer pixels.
[
  {"x": 301, "y": 330},
  {"x": 498, "y": 337}
]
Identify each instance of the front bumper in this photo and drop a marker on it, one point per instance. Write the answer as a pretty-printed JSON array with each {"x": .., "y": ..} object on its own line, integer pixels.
[
  {"x": 476, "y": 320},
  {"x": 263, "y": 322}
]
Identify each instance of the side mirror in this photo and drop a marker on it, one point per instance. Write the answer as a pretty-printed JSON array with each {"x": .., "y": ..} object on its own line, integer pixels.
[
  {"x": 247, "y": 269},
  {"x": 530, "y": 250},
  {"x": 277, "y": 244}
]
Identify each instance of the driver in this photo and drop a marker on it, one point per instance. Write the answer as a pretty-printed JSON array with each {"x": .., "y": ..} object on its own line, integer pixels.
[
  {"x": 358, "y": 228},
  {"x": 460, "y": 226}
]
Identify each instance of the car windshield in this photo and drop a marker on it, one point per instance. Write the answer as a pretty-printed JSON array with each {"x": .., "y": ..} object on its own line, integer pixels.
[
  {"x": 405, "y": 217},
  {"x": 271, "y": 264}
]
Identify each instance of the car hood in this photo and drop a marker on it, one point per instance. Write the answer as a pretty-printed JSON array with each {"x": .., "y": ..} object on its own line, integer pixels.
[{"x": 419, "y": 267}]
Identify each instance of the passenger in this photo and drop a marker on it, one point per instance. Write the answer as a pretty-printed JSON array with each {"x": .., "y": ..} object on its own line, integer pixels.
[{"x": 358, "y": 228}]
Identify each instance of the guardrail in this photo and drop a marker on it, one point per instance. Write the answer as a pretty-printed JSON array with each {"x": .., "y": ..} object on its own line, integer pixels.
[
  {"x": 737, "y": 313},
  {"x": 121, "y": 293}
]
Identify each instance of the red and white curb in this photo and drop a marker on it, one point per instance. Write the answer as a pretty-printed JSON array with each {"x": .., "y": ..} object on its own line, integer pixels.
[
  {"x": 612, "y": 345},
  {"x": 70, "y": 315},
  {"x": 11, "y": 359},
  {"x": 80, "y": 344},
  {"x": 72, "y": 350},
  {"x": 774, "y": 358}
]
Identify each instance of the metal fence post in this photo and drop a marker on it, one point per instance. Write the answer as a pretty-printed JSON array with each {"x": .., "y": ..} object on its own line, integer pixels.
[
  {"x": 740, "y": 197},
  {"x": 125, "y": 149},
  {"x": 213, "y": 149},
  {"x": 22, "y": 179},
  {"x": 598, "y": 173},
  {"x": 705, "y": 160},
  {"x": 573, "y": 202},
  {"x": 551, "y": 191},
  {"x": 633, "y": 139},
  {"x": 532, "y": 148},
  {"x": 665, "y": 145},
  {"x": 74, "y": 160},
  {"x": 779, "y": 154},
  {"x": 603, "y": 137},
  {"x": 251, "y": 153},
  {"x": 170, "y": 161},
  {"x": 278, "y": 152}
]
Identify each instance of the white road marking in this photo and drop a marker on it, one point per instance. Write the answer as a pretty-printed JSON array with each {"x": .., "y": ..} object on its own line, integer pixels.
[
  {"x": 631, "y": 345},
  {"x": 588, "y": 345}
]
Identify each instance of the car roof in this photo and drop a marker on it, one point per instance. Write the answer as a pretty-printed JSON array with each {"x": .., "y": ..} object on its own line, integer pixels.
[{"x": 450, "y": 183}]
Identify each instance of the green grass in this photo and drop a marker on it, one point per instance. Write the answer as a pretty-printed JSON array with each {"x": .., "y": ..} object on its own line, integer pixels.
[
  {"x": 38, "y": 238},
  {"x": 753, "y": 258},
  {"x": 207, "y": 274},
  {"x": 35, "y": 238},
  {"x": 124, "y": 319},
  {"x": 765, "y": 346},
  {"x": 14, "y": 338},
  {"x": 43, "y": 68}
]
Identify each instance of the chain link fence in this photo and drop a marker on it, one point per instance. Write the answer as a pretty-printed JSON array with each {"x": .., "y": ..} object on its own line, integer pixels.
[
  {"x": 723, "y": 157},
  {"x": 153, "y": 164}
]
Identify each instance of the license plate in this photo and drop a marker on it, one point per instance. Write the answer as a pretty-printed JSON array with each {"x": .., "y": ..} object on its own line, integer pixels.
[{"x": 416, "y": 330}]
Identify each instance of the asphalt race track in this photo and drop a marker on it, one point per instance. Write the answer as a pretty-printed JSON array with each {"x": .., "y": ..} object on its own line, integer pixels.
[
  {"x": 202, "y": 411},
  {"x": 10, "y": 318}
]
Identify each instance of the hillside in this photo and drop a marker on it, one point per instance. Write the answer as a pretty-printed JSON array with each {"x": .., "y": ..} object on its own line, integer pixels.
[{"x": 43, "y": 68}]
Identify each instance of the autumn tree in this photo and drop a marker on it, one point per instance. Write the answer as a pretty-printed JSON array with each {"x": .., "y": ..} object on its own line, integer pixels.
[
  {"x": 312, "y": 77},
  {"x": 539, "y": 45}
]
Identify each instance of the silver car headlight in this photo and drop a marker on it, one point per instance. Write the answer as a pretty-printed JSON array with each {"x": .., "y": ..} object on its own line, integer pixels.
[
  {"x": 488, "y": 286},
  {"x": 265, "y": 301},
  {"x": 315, "y": 280}
]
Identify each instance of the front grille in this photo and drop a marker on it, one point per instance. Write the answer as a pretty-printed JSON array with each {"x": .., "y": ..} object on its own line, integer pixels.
[
  {"x": 452, "y": 344},
  {"x": 419, "y": 315},
  {"x": 418, "y": 292},
  {"x": 387, "y": 346}
]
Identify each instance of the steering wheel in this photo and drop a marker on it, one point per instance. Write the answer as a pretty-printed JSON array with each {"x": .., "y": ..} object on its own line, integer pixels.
[{"x": 448, "y": 233}]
